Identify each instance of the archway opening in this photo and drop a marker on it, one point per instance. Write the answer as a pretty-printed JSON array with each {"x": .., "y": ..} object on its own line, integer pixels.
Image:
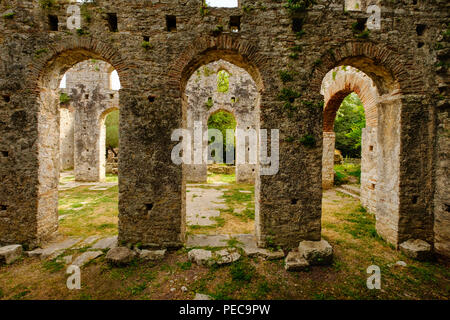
[
  {"x": 88, "y": 127},
  {"x": 377, "y": 197},
  {"x": 221, "y": 100},
  {"x": 218, "y": 169}
]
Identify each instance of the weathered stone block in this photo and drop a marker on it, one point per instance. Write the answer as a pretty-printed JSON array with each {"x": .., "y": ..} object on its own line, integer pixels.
[
  {"x": 295, "y": 262},
  {"x": 200, "y": 256},
  {"x": 416, "y": 249},
  {"x": 152, "y": 255},
  {"x": 316, "y": 252},
  {"x": 120, "y": 255},
  {"x": 11, "y": 253}
]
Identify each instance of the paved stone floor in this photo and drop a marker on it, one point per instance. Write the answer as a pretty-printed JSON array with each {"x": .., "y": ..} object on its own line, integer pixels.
[{"x": 203, "y": 204}]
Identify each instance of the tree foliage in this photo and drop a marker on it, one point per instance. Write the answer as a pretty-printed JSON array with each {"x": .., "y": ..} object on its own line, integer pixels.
[
  {"x": 222, "y": 121},
  {"x": 112, "y": 129},
  {"x": 223, "y": 81},
  {"x": 350, "y": 120}
]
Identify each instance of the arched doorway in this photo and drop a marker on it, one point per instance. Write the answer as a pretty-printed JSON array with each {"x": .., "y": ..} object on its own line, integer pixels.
[
  {"x": 221, "y": 98},
  {"x": 85, "y": 98},
  {"x": 337, "y": 85}
]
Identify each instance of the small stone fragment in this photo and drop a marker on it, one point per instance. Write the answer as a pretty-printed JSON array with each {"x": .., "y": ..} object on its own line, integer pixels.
[
  {"x": 295, "y": 262},
  {"x": 201, "y": 296},
  {"x": 401, "y": 263},
  {"x": 416, "y": 249},
  {"x": 120, "y": 255}
]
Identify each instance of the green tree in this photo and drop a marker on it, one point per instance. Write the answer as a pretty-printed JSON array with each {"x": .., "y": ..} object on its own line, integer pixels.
[
  {"x": 350, "y": 120},
  {"x": 223, "y": 81},
  {"x": 112, "y": 130},
  {"x": 222, "y": 121}
]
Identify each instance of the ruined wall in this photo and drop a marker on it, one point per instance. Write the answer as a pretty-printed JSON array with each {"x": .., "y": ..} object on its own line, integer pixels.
[
  {"x": 442, "y": 165},
  {"x": 88, "y": 86},
  {"x": 240, "y": 100},
  {"x": 400, "y": 58}
]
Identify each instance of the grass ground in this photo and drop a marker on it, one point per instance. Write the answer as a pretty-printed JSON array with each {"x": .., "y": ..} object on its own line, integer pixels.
[
  {"x": 346, "y": 225},
  {"x": 347, "y": 172}
]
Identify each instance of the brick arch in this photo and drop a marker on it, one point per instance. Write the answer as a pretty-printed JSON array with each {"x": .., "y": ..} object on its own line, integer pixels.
[
  {"x": 52, "y": 64},
  {"x": 339, "y": 83},
  {"x": 206, "y": 49},
  {"x": 382, "y": 65}
]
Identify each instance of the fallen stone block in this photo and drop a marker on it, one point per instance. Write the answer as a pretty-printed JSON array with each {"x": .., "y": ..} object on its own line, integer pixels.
[
  {"x": 105, "y": 243},
  {"x": 295, "y": 262},
  {"x": 11, "y": 253},
  {"x": 152, "y": 255},
  {"x": 416, "y": 249},
  {"x": 316, "y": 252},
  {"x": 85, "y": 257},
  {"x": 225, "y": 256},
  {"x": 120, "y": 255},
  {"x": 248, "y": 243},
  {"x": 200, "y": 257}
]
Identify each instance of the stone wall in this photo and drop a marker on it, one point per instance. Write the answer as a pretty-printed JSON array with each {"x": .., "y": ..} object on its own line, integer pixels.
[
  {"x": 442, "y": 168},
  {"x": 240, "y": 100},
  {"x": 401, "y": 58}
]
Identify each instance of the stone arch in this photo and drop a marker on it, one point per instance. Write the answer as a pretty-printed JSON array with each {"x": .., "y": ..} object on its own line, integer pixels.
[
  {"x": 209, "y": 49},
  {"x": 393, "y": 82},
  {"x": 44, "y": 77},
  {"x": 381, "y": 64},
  {"x": 342, "y": 83}
]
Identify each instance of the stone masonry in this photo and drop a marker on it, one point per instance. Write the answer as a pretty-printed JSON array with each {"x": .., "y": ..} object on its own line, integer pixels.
[{"x": 156, "y": 46}]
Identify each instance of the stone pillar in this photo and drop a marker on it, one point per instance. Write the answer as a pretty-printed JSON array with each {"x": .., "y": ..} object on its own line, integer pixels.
[
  {"x": 388, "y": 165},
  {"x": 66, "y": 138},
  {"x": 328, "y": 160},
  {"x": 87, "y": 145},
  {"x": 369, "y": 168}
]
